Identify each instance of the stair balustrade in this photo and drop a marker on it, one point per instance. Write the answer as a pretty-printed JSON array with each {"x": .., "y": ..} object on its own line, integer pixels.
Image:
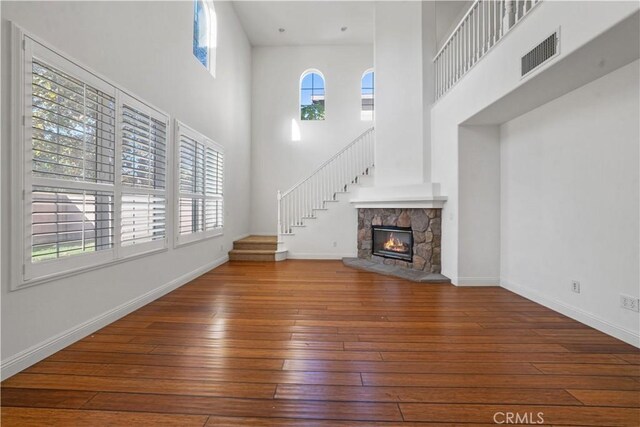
[
  {"x": 484, "y": 24},
  {"x": 322, "y": 186}
]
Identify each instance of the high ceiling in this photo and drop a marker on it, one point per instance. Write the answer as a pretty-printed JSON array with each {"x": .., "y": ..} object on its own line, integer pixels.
[{"x": 306, "y": 22}]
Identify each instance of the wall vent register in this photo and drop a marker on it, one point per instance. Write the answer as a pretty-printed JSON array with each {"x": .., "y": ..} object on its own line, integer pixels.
[{"x": 540, "y": 54}]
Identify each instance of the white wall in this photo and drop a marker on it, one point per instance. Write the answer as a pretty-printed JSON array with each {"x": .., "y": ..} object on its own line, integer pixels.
[
  {"x": 399, "y": 82},
  {"x": 277, "y": 162},
  {"x": 491, "y": 79},
  {"x": 430, "y": 23},
  {"x": 479, "y": 175},
  {"x": 146, "y": 48},
  {"x": 570, "y": 200}
]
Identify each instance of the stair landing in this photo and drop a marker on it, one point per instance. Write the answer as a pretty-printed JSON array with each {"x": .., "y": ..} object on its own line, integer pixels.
[{"x": 256, "y": 248}]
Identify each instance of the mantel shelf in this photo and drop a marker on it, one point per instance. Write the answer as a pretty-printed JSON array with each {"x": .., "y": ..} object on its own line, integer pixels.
[{"x": 428, "y": 202}]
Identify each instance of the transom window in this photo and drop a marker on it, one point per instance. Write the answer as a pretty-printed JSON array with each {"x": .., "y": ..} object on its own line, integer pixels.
[
  {"x": 312, "y": 96},
  {"x": 205, "y": 28},
  {"x": 367, "y": 95}
]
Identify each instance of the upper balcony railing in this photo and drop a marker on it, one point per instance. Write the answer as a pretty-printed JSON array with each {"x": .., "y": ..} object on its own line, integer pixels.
[{"x": 486, "y": 22}]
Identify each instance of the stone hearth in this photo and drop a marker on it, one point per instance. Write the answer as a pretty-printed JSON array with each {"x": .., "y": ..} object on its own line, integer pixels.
[{"x": 425, "y": 223}]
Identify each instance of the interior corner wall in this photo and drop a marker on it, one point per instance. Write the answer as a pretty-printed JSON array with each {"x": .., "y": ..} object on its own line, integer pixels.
[
  {"x": 399, "y": 81},
  {"x": 429, "y": 51},
  {"x": 479, "y": 205},
  {"x": 277, "y": 162},
  {"x": 570, "y": 202},
  {"x": 145, "y": 47}
]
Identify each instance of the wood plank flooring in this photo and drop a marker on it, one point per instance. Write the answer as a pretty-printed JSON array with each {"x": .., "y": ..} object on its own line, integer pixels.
[{"x": 301, "y": 343}]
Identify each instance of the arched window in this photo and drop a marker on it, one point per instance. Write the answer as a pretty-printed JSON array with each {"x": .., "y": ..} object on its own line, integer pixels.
[
  {"x": 312, "y": 96},
  {"x": 367, "y": 95},
  {"x": 205, "y": 34}
]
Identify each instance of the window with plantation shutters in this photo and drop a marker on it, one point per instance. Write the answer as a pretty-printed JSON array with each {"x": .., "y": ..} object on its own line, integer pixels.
[
  {"x": 143, "y": 205},
  {"x": 90, "y": 168},
  {"x": 70, "y": 128},
  {"x": 200, "y": 186}
]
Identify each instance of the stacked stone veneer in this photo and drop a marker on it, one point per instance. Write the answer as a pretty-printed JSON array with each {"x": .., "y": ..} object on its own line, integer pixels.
[{"x": 425, "y": 224}]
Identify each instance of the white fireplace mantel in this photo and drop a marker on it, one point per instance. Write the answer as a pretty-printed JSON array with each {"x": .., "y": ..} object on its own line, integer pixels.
[
  {"x": 433, "y": 202},
  {"x": 402, "y": 197}
]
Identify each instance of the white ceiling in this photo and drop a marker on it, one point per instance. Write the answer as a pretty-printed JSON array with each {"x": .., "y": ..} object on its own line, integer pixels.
[{"x": 306, "y": 22}]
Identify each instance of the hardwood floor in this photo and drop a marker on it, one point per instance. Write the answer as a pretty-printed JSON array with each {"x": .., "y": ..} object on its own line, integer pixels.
[{"x": 301, "y": 343}]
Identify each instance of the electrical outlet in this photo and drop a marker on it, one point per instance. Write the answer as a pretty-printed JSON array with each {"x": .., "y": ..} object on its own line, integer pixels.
[
  {"x": 222, "y": 248},
  {"x": 575, "y": 286},
  {"x": 630, "y": 303},
  {"x": 335, "y": 244}
]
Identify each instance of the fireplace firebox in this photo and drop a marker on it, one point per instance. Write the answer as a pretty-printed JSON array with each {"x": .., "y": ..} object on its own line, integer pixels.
[{"x": 392, "y": 242}]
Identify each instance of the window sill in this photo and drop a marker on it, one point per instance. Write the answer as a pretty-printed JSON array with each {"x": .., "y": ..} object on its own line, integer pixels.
[{"x": 76, "y": 271}]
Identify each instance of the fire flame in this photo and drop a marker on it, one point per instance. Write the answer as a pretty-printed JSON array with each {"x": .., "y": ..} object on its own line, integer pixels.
[{"x": 394, "y": 244}]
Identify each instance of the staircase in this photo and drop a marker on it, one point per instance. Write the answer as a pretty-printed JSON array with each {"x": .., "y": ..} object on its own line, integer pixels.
[
  {"x": 322, "y": 187},
  {"x": 256, "y": 248},
  {"x": 315, "y": 217}
]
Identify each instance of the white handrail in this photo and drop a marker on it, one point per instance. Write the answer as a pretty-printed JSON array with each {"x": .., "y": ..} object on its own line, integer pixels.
[
  {"x": 327, "y": 162},
  {"x": 480, "y": 28},
  {"x": 332, "y": 177},
  {"x": 455, "y": 30}
]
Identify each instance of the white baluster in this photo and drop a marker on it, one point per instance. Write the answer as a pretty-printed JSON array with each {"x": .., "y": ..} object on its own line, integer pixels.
[
  {"x": 483, "y": 25},
  {"x": 437, "y": 78},
  {"x": 457, "y": 54},
  {"x": 279, "y": 212},
  {"x": 493, "y": 24}
]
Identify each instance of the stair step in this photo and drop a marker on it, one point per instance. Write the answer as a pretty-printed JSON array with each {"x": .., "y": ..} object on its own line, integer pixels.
[
  {"x": 268, "y": 243},
  {"x": 252, "y": 255}
]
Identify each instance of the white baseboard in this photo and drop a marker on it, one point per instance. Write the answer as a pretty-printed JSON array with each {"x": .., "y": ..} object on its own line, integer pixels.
[
  {"x": 263, "y": 233},
  {"x": 589, "y": 319},
  {"x": 319, "y": 256},
  {"x": 476, "y": 281},
  {"x": 16, "y": 363}
]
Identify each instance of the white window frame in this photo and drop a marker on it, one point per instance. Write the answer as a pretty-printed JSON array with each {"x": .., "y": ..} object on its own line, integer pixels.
[
  {"x": 211, "y": 17},
  {"x": 153, "y": 246},
  {"x": 24, "y": 272},
  {"x": 184, "y": 239},
  {"x": 324, "y": 81},
  {"x": 364, "y": 116}
]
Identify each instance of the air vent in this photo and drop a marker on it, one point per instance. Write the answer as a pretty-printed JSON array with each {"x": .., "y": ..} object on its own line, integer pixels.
[{"x": 540, "y": 54}]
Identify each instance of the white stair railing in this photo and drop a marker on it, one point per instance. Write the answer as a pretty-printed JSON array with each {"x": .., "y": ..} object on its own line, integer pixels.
[
  {"x": 486, "y": 22},
  {"x": 311, "y": 193}
]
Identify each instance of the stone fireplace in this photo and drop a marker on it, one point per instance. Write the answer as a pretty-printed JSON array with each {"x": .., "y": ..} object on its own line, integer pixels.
[{"x": 419, "y": 252}]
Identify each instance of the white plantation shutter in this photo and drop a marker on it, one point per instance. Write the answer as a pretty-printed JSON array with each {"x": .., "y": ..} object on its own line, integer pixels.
[
  {"x": 73, "y": 127},
  {"x": 144, "y": 170},
  {"x": 213, "y": 189},
  {"x": 91, "y": 168},
  {"x": 200, "y": 189},
  {"x": 69, "y": 185}
]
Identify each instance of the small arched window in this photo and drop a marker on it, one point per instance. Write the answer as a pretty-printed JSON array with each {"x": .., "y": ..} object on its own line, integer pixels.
[
  {"x": 367, "y": 95},
  {"x": 205, "y": 34},
  {"x": 312, "y": 96}
]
